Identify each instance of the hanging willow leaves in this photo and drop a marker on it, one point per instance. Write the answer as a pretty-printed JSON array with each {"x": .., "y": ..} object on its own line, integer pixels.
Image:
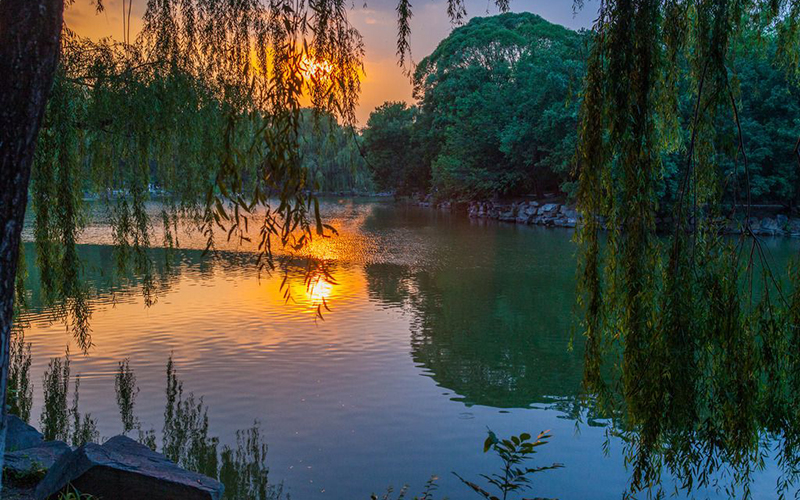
[
  {"x": 686, "y": 332},
  {"x": 201, "y": 112}
]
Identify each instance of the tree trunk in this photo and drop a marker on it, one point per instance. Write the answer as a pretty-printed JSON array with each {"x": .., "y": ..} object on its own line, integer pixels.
[{"x": 29, "y": 47}]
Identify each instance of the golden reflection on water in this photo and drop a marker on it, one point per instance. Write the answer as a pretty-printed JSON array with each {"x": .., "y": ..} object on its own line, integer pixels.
[{"x": 319, "y": 289}]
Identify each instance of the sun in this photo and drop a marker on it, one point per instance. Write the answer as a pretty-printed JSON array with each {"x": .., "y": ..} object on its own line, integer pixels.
[
  {"x": 313, "y": 69},
  {"x": 319, "y": 289}
]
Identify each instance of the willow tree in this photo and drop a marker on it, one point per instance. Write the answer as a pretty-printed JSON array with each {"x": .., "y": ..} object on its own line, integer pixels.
[
  {"x": 202, "y": 108},
  {"x": 691, "y": 339}
]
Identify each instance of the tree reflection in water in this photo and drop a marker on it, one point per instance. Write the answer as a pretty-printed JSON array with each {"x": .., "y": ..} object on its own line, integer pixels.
[{"x": 708, "y": 410}]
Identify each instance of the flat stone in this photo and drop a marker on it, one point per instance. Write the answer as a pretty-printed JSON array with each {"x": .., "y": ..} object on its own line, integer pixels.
[
  {"x": 793, "y": 227},
  {"x": 768, "y": 226},
  {"x": 30, "y": 465},
  {"x": 569, "y": 213},
  {"x": 549, "y": 207},
  {"x": 123, "y": 469},
  {"x": 20, "y": 435}
]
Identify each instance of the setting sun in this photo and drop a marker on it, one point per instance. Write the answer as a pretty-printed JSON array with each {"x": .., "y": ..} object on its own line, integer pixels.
[
  {"x": 313, "y": 69},
  {"x": 318, "y": 290}
]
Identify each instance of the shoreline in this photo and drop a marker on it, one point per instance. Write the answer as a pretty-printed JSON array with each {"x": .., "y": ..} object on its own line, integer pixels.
[{"x": 557, "y": 213}]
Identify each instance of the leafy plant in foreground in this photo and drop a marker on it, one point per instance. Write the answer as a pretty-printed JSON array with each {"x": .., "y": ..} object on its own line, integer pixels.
[
  {"x": 427, "y": 492},
  {"x": 514, "y": 476},
  {"x": 72, "y": 493}
]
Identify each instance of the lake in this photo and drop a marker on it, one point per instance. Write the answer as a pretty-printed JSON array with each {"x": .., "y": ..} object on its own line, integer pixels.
[{"x": 439, "y": 327}]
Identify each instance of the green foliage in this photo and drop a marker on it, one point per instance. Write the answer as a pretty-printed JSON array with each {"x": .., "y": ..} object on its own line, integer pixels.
[
  {"x": 201, "y": 110},
  {"x": 686, "y": 345},
  {"x": 514, "y": 475},
  {"x": 331, "y": 156},
  {"x": 19, "y": 397},
  {"x": 186, "y": 441},
  {"x": 84, "y": 427},
  {"x": 72, "y": 493},
  {"x": 499, "y": 90},
  {"x": 427, "y": 492},
  {"x": 28, "y": 478},
  {"x": 185, "y": 438},
  {"x": 244, "y": 471},
  {"x": 390, "y": 149},
  {"x": 496, "y": 114},
  {"x": 55, "y": 384},
  {"x": 126, "y": 391},
  {"x": 58, "y": 421}
]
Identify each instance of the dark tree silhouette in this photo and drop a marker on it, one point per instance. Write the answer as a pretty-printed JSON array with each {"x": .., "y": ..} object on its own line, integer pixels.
[{"x": 29, "y": 46}]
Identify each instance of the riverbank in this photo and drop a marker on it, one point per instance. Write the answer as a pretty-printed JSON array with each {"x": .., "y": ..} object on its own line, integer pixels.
[{"x": 552, "y": 212}]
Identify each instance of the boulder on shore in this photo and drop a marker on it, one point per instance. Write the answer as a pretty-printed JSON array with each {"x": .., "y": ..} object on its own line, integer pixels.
[
  {"x": 123, "y": 469},
  {"x": 20, "y": 435},
  {"x": 28, "y": 466}
]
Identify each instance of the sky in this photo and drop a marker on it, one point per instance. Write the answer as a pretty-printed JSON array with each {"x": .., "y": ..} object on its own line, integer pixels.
[{"x": 377, "y": 22}]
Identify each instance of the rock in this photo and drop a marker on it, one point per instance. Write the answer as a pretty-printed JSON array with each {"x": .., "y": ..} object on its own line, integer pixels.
[
  {"x": 123, "y": 469},
  {"x": 548, "y": 207},
  {"x": 530, "y": 211},
  {"x": 569, "y": 213},
  {"x": 793, "y": 227},
  {"x": 768, "y": 226},
  {"x": 507, "y": 216},
  {"x": 28, "y": 466},
  {"x": 20, "y": 435},
  {"x": 782, "y": 221}
]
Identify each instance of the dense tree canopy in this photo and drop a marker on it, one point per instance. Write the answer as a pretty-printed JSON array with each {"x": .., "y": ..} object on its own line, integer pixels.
[
  {"x": 389, "y": 139},
  {"x": 331, "y": 156},
  {"x": 497, "y": 91},
  {"x": 497, "y": 112}
]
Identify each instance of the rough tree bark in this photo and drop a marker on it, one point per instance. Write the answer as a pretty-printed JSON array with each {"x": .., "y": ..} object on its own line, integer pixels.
[{"x": 29, "y": 45}]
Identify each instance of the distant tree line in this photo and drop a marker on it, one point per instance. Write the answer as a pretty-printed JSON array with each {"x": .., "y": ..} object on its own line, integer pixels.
[
  {"x": 497, "y": 115},
  {"x": 330, "y": 154}
]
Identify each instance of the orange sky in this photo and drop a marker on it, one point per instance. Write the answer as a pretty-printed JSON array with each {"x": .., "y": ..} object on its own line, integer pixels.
[{"x": 376, "y": 20}]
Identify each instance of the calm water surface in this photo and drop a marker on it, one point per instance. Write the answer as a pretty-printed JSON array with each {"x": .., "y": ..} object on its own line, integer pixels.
[{"x": 439, "y": 327}]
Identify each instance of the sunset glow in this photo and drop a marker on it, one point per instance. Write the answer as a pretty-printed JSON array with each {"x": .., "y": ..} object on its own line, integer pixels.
[
  {"x": 313, "y": 69},
  {"x": 318, "y": 290}
]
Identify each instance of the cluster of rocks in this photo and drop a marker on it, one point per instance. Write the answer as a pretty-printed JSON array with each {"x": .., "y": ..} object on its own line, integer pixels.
[
  {"x": 526, "y": 212},
  {"x": 780, "y": 225},
  {"x": 120, "y": 468},
  {"x": 563, "y": 215}
]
